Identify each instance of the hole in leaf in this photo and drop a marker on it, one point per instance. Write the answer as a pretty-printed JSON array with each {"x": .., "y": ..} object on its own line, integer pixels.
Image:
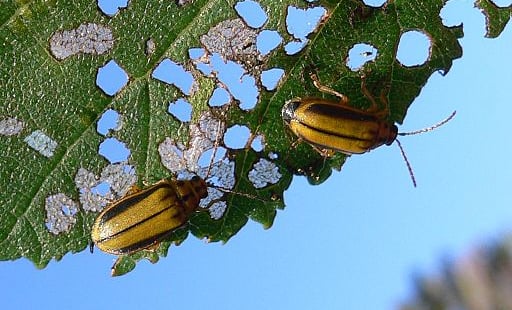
[
  {"x": 111, "y": 78},
  {"x": 413, "y": 48},
  {"x": 109, "y": 120},
  {"x": 241, "y": 85},
  {"x": 87, "y": 38},
  {"x": 211, "y": 126},
  {"x": 206, "y": 159},
  {"x": 293, "y": 47},
  {"x": 300, "y": 23},
  {"x": 236, "y": 137},
  {"x": 60, "y": 213},
  {"x": 172, "y": 155},
  {"x": 114, "y": 150},
  {"x": 359, "y": 55},
  {"x": 68, "y": 210},
  {"x": 201, "y": 60},
  {"x": 93, "y": 201},
  {"x": 217, "y": 209},
  {"x": 183, "y": 2},
  {"x": 374, "y": 3},
  {"x": 42, "y": 143},
  {"x": 205, "y": 69},
  {"x": 502, "y": 3},
  {"x": 196, "y": 53},
  {"x": 197, "y": 158},
  {"x": 267, "y": 40},
  {"x": 111, "y": 7},
  {"x": 219, "y": 97},
  {"x": 181, "y": 109},
  {"x": 234, "y": 41},
  {"x": 10, "y": 126},
  {"x": 270, "y": 78},
  {"x": 150, "y": 47},
  {"x": 252, "y": 13},
  {"x": 258, "y": 144},
  {"x": 172, "y": 73},
  {"x": 222, "y": 175},
  {"x": 102, "y": 189},
  {"x": 264, "y": 173},
  {"x": 120, "y": 176},
  {"x": 96, "y": 193},
  {"x": 202, "y": 136},
  {"x": 451, "y": 12}
]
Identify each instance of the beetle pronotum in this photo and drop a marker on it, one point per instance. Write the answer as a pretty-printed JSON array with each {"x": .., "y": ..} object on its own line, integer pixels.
[{"x": 335, "y": 126}]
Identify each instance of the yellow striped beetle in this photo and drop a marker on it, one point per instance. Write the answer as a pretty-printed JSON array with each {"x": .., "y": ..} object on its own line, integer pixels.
[
  {"x": 141, "y": 219},
  {"x": 335, "y": 126}
]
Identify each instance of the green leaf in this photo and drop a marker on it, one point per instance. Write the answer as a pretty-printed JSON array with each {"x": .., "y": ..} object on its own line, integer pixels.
[
  {"x": 496, "y": 18},
  {"x": 58, "y": 99}
]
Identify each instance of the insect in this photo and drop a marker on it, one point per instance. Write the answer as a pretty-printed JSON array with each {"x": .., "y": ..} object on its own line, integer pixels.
[
  {"x": 142, "y": 218},
  {"x": 331, "y": 126}
]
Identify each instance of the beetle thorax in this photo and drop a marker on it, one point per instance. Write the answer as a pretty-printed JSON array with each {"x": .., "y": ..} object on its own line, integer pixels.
[
  {"x": 191, "y": 192},
  {"x": 387, "y": 133}
]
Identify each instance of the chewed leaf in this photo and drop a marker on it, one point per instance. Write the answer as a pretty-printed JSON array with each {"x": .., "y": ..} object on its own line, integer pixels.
[
  {"x": 198, "y": 93},
  {"x": 496, "y": 18}
]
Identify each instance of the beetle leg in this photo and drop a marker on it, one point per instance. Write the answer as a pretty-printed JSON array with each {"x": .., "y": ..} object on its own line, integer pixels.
[
  {"x": 295, "y": 143},
  {"x": 325, "y": 153},
  {"x": 152, "y": 248},
  {"x": 343, "y": 99},
  {"x": 375, "y": 107},
  {"x": 384, "y": 114},
  {"x": 380, "y": 112},
  {"x": 133, "y": 189}
]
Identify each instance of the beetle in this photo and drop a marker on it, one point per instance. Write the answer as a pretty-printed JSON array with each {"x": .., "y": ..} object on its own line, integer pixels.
[
  {"x": 142, "y": 218},
  {"x": 331, "y": 126}
]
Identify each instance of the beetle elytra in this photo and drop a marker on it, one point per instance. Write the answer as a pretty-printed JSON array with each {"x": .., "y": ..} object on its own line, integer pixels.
[{"x": 142, "y": 218}]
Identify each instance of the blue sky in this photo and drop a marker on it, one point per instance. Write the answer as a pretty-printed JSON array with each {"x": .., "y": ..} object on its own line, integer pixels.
[{"x": 351, "y": 243}]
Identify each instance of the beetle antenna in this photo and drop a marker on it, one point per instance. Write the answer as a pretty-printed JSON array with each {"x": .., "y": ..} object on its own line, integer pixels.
[
  {"x": 215, "y": 147},
  {"x": 411, "y": 173},
  {"x": 225, "y": 190},
  {"x": 446, "y": 120},
  {"x": 212, "y": 161}
]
